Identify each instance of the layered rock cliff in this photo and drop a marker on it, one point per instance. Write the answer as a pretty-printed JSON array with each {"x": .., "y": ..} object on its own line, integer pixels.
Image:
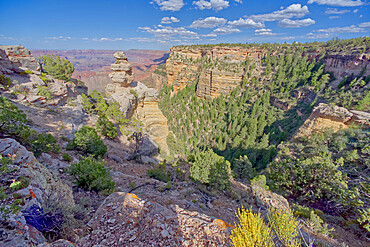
[
  {"x": 325, "y": 117},
  {"x": 219, "y": 69}
]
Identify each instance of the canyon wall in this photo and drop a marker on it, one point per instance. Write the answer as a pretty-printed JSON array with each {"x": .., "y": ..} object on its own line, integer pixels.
[{"x": 219, "y": 69}]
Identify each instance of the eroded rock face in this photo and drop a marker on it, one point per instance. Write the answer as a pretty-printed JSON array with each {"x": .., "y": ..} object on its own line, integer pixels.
[
  {"x": 137, "y": 100},
  {"x": 325, "y": 117},
  {"x": 186, "y": 64},
  {"x": 42, "y": 184},
  {"x": 18, "y": 56},
  {"x": 122, "y": 74},
  {"x": 126, "y": 220}
]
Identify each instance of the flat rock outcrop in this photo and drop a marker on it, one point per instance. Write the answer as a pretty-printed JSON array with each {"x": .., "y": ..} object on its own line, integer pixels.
[
  {"x": 137, "y": 100},
  {"x": 325, "y": 117},
  {"x": 126, "y": 220},
  {"x": 18, "y": 56}
]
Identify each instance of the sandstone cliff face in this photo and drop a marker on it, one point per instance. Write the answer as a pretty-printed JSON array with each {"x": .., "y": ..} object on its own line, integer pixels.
[
  {"x": 158, "y": 81},
  {"x": 18, "y": 56},
  {"x": 219, "y": 69},
  {"x": 342, "y": 65},
  {"x": 326, "y": 117},
  {"x": 136, "y": 99}
]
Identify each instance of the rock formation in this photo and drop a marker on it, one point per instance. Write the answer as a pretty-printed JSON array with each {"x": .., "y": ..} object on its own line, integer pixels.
[
  {"x": 43, "y": 184},
  {"x": 325, "y": 117},
  {"x": 136, "y": 99},
  {"x": 15, "y": 61},
  {"x": 223, "y": 72},
  {"x": 18, "y": 56},
  {"x": 122, "y": 74}
]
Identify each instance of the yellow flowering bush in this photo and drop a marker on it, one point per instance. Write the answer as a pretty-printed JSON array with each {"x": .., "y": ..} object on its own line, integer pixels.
[{"x": 251, "y": 230}]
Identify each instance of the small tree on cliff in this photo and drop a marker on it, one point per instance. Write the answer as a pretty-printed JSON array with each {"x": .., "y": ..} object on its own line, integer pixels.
[{"x": 57, "y": 67}]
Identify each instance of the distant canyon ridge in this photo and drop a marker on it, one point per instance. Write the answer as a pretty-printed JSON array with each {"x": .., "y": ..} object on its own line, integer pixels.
[{"x": 93, "y": 66}]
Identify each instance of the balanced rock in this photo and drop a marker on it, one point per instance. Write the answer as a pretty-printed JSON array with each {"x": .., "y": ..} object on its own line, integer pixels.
[{"x": 122, "y": 70}]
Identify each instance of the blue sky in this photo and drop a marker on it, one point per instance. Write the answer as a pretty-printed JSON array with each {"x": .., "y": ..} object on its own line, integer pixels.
[{"x": 160, "y": 24}]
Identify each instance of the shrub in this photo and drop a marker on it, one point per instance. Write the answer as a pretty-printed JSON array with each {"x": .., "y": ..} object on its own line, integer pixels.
[
  {"x": 251, "y": 230},
  {"x": 67, "y": 157},
  {"x": 260, "y": 181},
  {"x": 5, "y": 82},
  {"x": 315, "y": 179},
  {"x": 106, "y": 127},
  {"x": 13, "y": 124},
  {"x": 57, "y": 67},
  {"x": 44, "y": 92},
  {"x": 211, "y": 169},
  {"x": 87, "y": 140},
  {"x": 159, "y": 172},
  {"x": 90, "y": 174},
  {"x": 285, "y": 226},
  {"x": 244, "y": 169}
]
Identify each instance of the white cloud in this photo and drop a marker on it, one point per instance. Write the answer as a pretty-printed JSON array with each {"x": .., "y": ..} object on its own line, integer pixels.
[
  {"x": 225, "y": 30},
  {"x": 335, "y": 11},
  {"x": 264, "y": 32},
  {"x": 212, "y": 4},
  {"x": 294, "y": 10},
  {"x": 245, "y": 23},
  {"x": 296, "y": 23},
  {"x": 210, "y": 35},
  {"x": 59, "y": 38},
  {"x": 334, "y": 17},
  {"x": 106, "y": 39},
  {"x": 209, "y": 22},
  {"x": 349, "y": 29},
  {"x": 364, "y": 25},
  {"x": 344, "y": 3},
  {"x": 355, "y": 11},
  {"x": 169, "y": 5},
  {"x": 140, "y": 39},
  {"x": 287, "y": 38},
  {"x": 238, "y": 1},
  {"x": 169, "y": 20},
  {"x": 318, "y": 36},
  {"x": 163, "y": 31}
]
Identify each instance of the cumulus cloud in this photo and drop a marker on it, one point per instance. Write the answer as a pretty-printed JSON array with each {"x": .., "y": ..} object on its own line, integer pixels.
[
  {"x": 334, "y": 17},
  {"x": 209, "y": 22},
  {"x": 245, "y": 23},
  {"x": 296, "y": 23},
  {"x": 264, "y": 32},
  {"x": 294, "y": 10},
  {"x": 211, "y": 4},
  {"x": 225, "y": 30},
  {"x": 140, "y": 39},
  {"x": 169, "y": 5},
  {"x": 107, "y": 39},
  {"x": 364, "y": 25},
  {"x": 344, "y": 3},
  {"x": 169, "y": 20},
  {"x": 335, "y": 11},
  {"x": 238, "y": 1},
  {"x": 59, "y": 38}
]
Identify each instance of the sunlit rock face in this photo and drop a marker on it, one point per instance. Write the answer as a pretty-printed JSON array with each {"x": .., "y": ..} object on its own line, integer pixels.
[
  {"x": 137, "y": 100},
  {"x": 122, "y": 74}
]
